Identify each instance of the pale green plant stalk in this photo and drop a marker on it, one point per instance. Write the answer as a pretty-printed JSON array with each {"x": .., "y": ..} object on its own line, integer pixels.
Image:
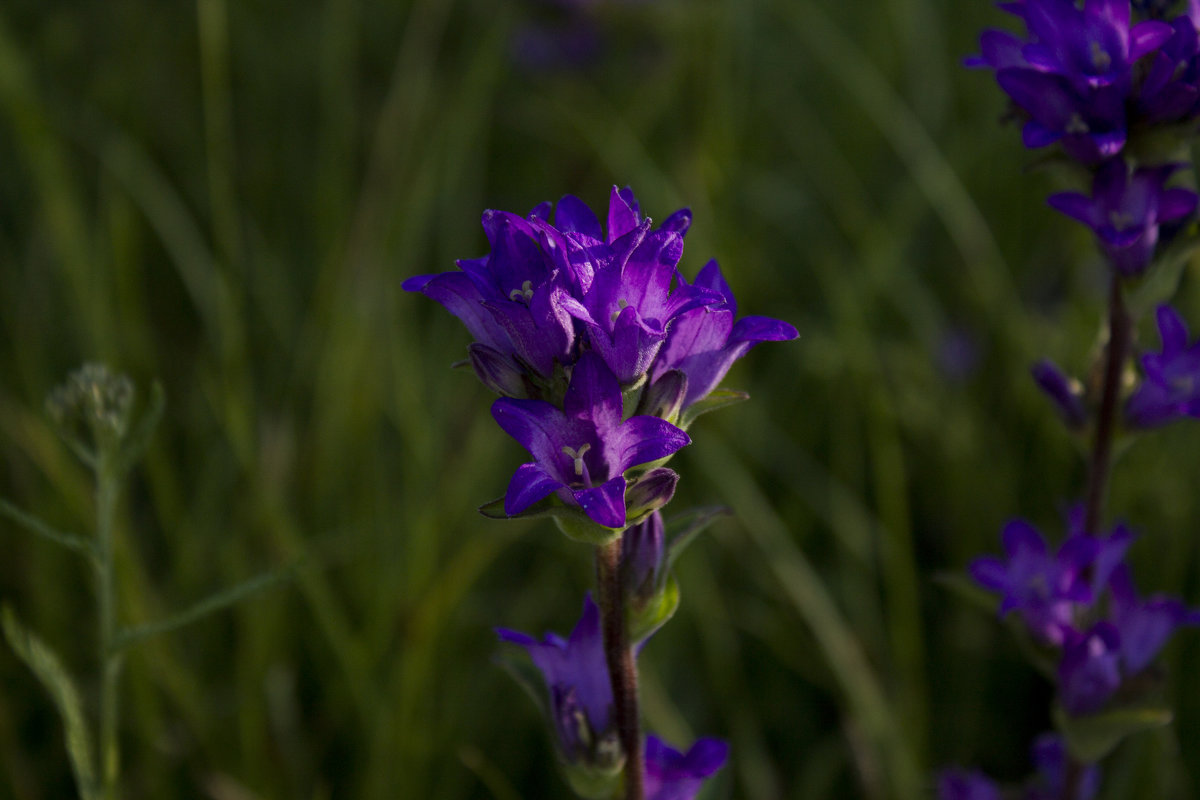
[{"x": 102, "y": 403}]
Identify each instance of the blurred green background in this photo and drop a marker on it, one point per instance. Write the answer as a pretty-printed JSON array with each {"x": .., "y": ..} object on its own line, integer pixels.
[{"x": 225, "y": 196}]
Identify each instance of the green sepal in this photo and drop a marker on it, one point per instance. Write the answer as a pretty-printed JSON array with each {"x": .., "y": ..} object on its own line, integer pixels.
[
  {"x": 659, "y": 608},
  {"x": 631, "y": 397},
  {"x": 49, "y": 670},
  {"x": 681, "y": 530},
  {"x": 1161, "y": 280},
  {"x": 592, "y": 782},
  {"x": 1092, "y": 737},
  {"x": 717, "y": 398},
  {"x": 570, "y": 520}
]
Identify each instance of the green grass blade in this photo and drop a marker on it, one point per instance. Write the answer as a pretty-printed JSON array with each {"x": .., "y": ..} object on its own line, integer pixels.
[{"x": 49, "y": 670}]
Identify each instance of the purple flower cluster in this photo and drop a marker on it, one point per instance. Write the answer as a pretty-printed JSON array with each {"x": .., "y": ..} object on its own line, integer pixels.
[
  {"x": 1079, "y": 601},
  {"x": 581, "y": 709},
  {"x": 575, "y": 325},
  {"x": 603, "y": 355},
  {"x": 1090, "y": 79},
  {"x": 1049, "y": 753}
]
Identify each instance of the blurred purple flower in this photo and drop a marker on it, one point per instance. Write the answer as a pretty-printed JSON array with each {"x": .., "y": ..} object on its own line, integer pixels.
[
  {"x": 1125, "y": 211},
  {"x": 1170, "y": 388},
  {"x": 671, "y": 775},
  {"x": 581, "y": 451},
  {"x": 1043, "y": 588},
  {"x": 578, "y": 685},
  {"x": 1143, "y": 626}
]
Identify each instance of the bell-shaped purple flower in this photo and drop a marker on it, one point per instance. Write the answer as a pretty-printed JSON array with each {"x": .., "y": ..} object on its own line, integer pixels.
[
  {"x": 581, "y": 451},
  {"x": 514, "y": 300},
  {"x": 704, "y": 342},
  {"x": 1050, "y": 783},
  {"x": 1066, "y": 393},
  {"x": 1170, "y": 387},
  {"x": 1125, "y": 211},
  {"x": 1143, "y": 626},
  {"x": 671, "y": 775},
  {"x": 1043, "y": 588},
  {"x": 578, "y": 686},
  {"x": 956, "y": 783},
  {"x": 1074, "y": 73}
]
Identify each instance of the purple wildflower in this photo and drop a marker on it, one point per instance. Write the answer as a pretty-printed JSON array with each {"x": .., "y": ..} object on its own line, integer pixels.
[
  {"x": 1125, "y": 211},
  {"x": 1073, "y": 75},
  {"x": 582, "y": 451},
  {"x": 1170, "y": 388},
  {"x": 577, "y": 681},
  {"x": 1043, "y": 588},
  {"x": 956, "y": 783},
  {"x": 671, "y": 775},
  {"x": 704, "y": 342}
]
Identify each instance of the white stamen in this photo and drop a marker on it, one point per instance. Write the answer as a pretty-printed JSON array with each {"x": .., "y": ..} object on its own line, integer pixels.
[
  {"x": 526, "y": 292},
  {"x": 577, "y": 456}
]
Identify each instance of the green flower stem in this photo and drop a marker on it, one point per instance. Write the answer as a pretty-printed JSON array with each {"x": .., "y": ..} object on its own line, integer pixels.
[
  {"x": 107, "y": 487},
  {"x": 1116, "y": 353},
  {"x": 622, "y": 668}
]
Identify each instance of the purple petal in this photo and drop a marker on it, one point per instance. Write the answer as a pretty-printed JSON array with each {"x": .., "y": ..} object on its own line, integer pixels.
[
  {"x": 604, "y": 504},
  {"x": 529, "y": 484},
  {"x": 1020, "y": 537},
  {"x": 594, "y": 394},
  {"x": 710, "y": 277},
  {"x": 623, "y": 215},
  {"x": 1172, "y": 329},
  {"x": 1077, "y": 206},
  {"x": 1176, "y": 203},
  {"x": 644, "y": 439},
  {"x": 541, "y": 429},
  {"x": 762, "y": 329},
  {"x": 574, "y": 216},
  {"x": 459, "y": 295},
  {"x": 671, "y": 775},
  {"x": 678, "y": 222},
  {"x": 1147, "y": 36}
]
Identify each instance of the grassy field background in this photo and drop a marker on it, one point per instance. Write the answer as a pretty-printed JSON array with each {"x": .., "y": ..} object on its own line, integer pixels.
[{"x": 226, "y": 196}]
